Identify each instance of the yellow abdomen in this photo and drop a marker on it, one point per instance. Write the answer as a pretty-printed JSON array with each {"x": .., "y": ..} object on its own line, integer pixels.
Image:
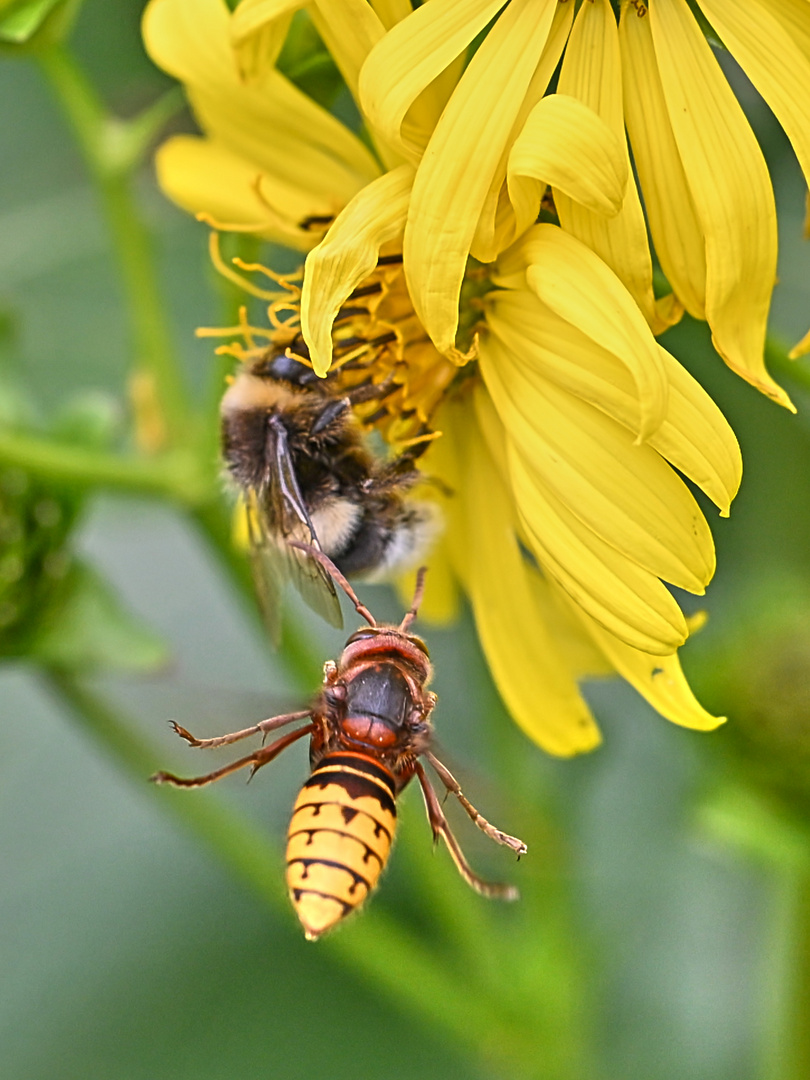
[{"x": 341, "y": 832}]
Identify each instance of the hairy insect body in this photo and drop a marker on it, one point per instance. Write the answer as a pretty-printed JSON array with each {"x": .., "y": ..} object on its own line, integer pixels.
[{"x": 296, "y": 450}]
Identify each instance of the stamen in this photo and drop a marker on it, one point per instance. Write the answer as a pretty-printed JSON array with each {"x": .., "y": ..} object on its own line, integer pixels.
[
  {"x": 284, "y": 324},
  {"x": 305, "y": 360},
  {"x": 244, "y": 329},
  {"x": 231, "y": 275},
  {"x": 279, "y": 279},
  {"x": 429, "y": 436},
  {"x": 228, "y": 226}
]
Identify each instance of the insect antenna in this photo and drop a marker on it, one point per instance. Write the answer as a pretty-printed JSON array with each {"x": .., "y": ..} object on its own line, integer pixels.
[
  {"x": 418, "y": 593},
  {"x": 333, "y": 571}
]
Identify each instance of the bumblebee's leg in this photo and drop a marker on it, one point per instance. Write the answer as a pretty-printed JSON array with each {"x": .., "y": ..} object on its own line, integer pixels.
[
  {"x": 452, "y": 785},
  {"x": 441, "y": 828},
  {"x": 257, "y": 759},
  {"x": 265, "y": 726}
]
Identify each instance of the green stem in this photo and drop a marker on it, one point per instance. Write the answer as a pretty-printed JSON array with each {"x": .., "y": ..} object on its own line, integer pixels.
[
  {"x": 175, "y": 475},
  {"x": 376, "y": 947},
  {"x": 233, "y": 840},
  {"x": 790, "y": 1049},
  {"x": 110, "y": 160}
]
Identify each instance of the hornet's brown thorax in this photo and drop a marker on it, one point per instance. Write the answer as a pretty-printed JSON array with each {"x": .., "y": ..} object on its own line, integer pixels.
[{"x": 375, "y": 701}]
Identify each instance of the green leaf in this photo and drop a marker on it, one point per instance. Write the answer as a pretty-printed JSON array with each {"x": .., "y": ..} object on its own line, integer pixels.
[
  {"x": 23, "y": 21},
  {"x": 87, "y": 629}
]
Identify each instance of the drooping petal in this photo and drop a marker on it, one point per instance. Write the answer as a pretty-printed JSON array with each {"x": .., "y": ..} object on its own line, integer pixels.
[
  {"x": 347, "y": 254},
  {"x": 258, "y": 29},
  {"x": 659, "y": 679},
  {"x": 497, "y": 226},
  {"x": 674, "y": 225},
  {"x": 695, "y": 437},
  {"x": 391, "y": 12},
  {"x": 455, "y": 173},
  {"x": 564, "y": 143},
  {"x": 627, "y": 599},
  {"x": 625, "y": 494},
  {"x": 206, "y": 178},
  {"x": 533, "y": 673},
  {"x": 591, "y": 72},
  {"x": 730, "y": 187},
  {"x": 414, "y": 53},
  {"x": 574, "y": 282},
  {"x": 275, "y": 127},
  {"x": 350, "y": 29},
  {"x": 764, "y": 46}
]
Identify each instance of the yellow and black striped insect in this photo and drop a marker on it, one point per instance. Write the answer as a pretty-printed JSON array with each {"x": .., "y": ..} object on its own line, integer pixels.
[{"x": 369, "y": 727}]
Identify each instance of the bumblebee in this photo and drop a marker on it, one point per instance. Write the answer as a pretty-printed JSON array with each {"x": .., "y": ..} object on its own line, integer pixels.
[
  {"x": 369, "y": 726},
  {"x": 296, "y": 449}
]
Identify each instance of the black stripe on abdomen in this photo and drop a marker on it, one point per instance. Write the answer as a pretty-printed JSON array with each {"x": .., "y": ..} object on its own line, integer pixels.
[{"x": 338, "y": 844}]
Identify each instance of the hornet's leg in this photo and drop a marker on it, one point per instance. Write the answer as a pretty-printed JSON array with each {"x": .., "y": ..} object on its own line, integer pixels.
[
  {"x": 256, "y": 760},
  {"x": 441, "y": 828},
  {"x": 452, "y": 785},
  {"x": 264, "y": 726}
]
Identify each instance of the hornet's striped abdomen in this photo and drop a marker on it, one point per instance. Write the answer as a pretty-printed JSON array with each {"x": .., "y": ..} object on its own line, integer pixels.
[{"x": 341, "y": 832}]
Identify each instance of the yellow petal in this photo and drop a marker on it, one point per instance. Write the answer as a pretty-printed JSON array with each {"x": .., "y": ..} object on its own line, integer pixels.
[
  {"x": 674, "y": 225},
  {"x": 497, "y": 226},
  {"x": 350, "y": 29},
  {"x": 204, "y": 177},
  {"x": 695, "y": 437},
  {"x": 625, "y": 598},
  {"x": 531, "y": 671},
  {"x": 591, "y": 72},
  {"x": 347, "y": 254},
  {"x": 574, "y": 282},
  {"x": 801, "y": 348},
  {"x": 414, "y": 53},
  {"x": 391, "y": 12},
  {"x": 566, "y": 144},
  {"x": 659, "y": 679},
  {"x": 275, "y": 126},
  {"x": 764, "y": 47},
  {"x": 258, "y": 29},
  {"x": 731, "y": 190},
  {"x": 627, "y": 495},
  {"x": 454, "y": 177},
  {"x": 440, "y": 605}
]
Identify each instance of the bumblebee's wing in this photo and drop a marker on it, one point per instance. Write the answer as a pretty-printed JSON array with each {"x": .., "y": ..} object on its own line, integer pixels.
[
  {"x": 287, "y": 518},
  {"x": 267, "y": 571}
]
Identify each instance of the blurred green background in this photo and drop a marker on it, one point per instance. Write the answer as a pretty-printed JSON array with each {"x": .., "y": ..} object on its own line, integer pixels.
[{"x": 662, "y": 914}]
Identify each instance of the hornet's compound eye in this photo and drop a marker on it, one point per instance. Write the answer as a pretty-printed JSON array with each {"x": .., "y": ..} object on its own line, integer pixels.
[{"x": 364, "y": 634}]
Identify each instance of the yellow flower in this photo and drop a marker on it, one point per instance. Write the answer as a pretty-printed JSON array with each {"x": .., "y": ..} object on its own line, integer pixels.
[
  {"x": 706, "y": 189},
  {"x": 561, "y": 416}
]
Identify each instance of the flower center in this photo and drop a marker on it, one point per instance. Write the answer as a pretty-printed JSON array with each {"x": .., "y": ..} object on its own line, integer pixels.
[{"x": 382, "y": 355}]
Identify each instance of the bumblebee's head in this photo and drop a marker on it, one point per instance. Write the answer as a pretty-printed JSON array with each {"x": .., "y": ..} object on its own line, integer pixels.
[{"x": 286, "y": 367}]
